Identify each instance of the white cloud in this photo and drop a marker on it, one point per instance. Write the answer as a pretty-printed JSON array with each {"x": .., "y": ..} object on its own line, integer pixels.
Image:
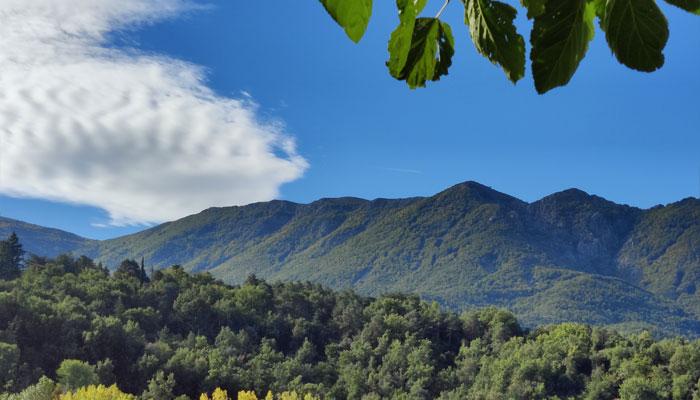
[{"x": 138, "y": 135}]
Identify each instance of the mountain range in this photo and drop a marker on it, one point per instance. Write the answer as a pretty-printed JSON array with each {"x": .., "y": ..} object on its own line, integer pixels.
[{"x": 569, "y": 256}]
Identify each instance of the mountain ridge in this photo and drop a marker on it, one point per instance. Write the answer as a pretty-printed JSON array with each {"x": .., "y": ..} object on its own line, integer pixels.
[
  {"x": 468, "y": 245},
  {"x": 42, "y": 240}
]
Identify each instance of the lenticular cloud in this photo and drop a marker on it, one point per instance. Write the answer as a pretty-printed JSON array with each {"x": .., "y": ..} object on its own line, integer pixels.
[{"x": 138, "y": 135}]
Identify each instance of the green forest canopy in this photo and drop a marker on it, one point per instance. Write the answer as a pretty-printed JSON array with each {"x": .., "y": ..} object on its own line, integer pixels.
[
  {"x": 421, "y": 48},
  {"x": 172, "y": 333}
]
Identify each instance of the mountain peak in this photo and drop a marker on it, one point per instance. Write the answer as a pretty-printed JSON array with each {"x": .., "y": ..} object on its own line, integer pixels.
[
  {"x": 473, "y": 186},
  {"x": 571, "y": 194},
  {"x": 578, "y": 198},
  {"x": 574, "y": 192},
  {"x": 475, "y": 191}
]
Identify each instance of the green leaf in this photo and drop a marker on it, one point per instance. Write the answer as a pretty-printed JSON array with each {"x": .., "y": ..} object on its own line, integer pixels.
[
  {"x": 352, "y": 15},
  {"x": 430, "y": 53},
  {"x": 560, "y": 38},
  {"x": 494, "y": 35},
  {"x": 535, "y": 8},
  {"x": 400, "y": 41},
  {"x": 637, "y": 32},
  {"x": 692, "y": 6},
  {"x": 446, "y": 46},
  {"x": 599, "y": 7}
]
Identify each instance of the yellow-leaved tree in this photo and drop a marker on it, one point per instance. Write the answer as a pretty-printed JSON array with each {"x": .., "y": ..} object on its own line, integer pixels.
[
  {"x": 218, "y": 394},
  {"x": 250, "y": 395},
  {"x": 247, "y": 395},
  {"x": 97, "y": 393},
  {"x": 296, "y": 396}
]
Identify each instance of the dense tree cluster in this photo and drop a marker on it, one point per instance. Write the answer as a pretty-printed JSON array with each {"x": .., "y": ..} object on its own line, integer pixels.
[
  {"x": 175, "y": 334},
  {"x": 11, "y": 255}
]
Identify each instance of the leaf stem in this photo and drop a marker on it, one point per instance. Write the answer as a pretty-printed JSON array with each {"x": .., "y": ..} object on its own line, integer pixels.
[{"x": 444, "y": 6}]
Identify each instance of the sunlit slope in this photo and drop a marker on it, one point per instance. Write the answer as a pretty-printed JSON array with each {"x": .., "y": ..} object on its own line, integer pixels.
[
  {"x": 468, "y": 245},
  {"x": 40, "y": 240}
]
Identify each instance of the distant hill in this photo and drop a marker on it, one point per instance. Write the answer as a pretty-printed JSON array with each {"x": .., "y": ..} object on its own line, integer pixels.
[
  {"x": 569, "y": 256},
  {"x": 40, "y": 240}
]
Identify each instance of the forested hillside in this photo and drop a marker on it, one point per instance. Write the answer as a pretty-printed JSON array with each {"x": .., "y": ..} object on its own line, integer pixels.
[
  {"x": 567, "y": 257},
  {"x": 40, "y": 240},
  {"x": 468, "y": 246},
  {"x": 174, "y": 334}
]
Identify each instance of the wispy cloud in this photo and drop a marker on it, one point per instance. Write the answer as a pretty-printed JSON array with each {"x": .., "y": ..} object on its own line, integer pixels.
[
  {"x": 402, "y": 170},
  {"x": 138, "y": 135}
]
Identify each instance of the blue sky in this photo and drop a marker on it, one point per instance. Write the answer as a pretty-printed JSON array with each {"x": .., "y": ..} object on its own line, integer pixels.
[{"x": 630, "y": 137}]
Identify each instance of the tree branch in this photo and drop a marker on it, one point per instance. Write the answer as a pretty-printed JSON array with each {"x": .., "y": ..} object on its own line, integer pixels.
[{"x": 442, "y": 8}]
